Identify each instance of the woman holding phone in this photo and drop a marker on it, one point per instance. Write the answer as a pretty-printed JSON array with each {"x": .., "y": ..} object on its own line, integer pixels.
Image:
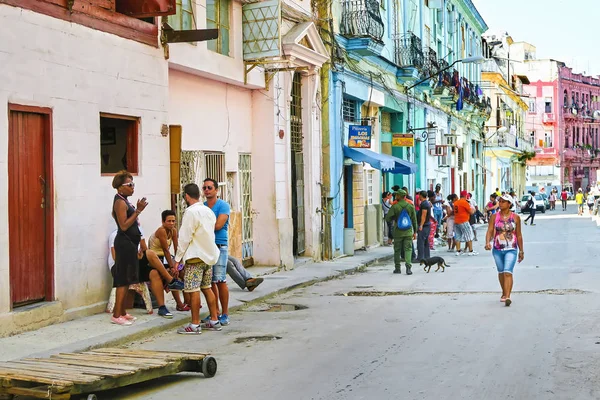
[
  {"x": 504, "y": 230},
  {"x": 126, "y": 269}
]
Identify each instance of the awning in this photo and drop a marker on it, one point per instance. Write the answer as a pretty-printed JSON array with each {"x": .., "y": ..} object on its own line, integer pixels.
[{"x": 383, "y": 162}]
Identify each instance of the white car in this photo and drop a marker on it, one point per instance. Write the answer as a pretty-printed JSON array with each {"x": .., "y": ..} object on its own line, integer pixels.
[{"x": 538, "y": 201}]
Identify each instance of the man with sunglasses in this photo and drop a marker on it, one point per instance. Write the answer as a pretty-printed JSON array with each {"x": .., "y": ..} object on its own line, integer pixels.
[{"x": 219, "y": 279}]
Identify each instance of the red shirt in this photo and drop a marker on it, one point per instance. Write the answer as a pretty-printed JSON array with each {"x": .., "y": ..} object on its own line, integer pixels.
[{"x": 563, "y": 195}]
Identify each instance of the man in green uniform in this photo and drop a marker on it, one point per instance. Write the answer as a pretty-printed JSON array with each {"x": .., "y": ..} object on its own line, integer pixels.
[{"x": 403, "y": 237}]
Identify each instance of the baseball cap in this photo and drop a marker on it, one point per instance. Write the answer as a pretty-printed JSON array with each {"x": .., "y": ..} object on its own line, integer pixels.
[
  {"x": 507, "y": 197},
  {"x": 464, "y": 193},
  {"x": 401, "y": 193}
]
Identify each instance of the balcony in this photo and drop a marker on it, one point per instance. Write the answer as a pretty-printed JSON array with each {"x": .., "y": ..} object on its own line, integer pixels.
[
  {"x": 548, "y": 119},
  {"x": 362, "y": 26},
  {"x": 409, "y": 56},
  {"x": 431, "y": 64},
  {"x": 509, "y": 140}
]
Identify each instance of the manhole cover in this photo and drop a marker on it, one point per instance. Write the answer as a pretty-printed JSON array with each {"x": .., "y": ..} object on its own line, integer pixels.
[
  {"x": 275, "y": 307},
  {"x": 263, "y": 338}
]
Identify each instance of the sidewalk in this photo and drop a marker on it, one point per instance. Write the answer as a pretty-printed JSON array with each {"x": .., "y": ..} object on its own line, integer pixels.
[{"x": 96, "y": 330}]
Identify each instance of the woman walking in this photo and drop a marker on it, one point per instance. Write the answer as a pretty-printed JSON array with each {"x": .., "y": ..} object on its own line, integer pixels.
[
  {"x": 504, "y": 233},
  {"x": 126, "y": 269}
]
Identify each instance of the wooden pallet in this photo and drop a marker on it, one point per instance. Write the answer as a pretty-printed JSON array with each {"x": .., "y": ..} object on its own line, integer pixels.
[{"x": 64, "y": 375}]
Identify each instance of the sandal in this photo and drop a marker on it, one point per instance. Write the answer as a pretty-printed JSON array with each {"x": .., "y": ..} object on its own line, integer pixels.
[
  {"x": 503, "y": 299},
  {"x": 185, "y": 307}
]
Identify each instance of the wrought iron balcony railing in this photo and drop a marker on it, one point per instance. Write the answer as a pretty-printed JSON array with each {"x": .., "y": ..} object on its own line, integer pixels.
[
  {"x": 361, "y": 18},
  {"x": 431, "y": 62},
  {"x": 409, "y": 51}
]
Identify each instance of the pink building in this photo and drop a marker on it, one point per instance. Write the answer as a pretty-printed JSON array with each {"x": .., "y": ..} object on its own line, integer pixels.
[{"x": 580, "y": 128}]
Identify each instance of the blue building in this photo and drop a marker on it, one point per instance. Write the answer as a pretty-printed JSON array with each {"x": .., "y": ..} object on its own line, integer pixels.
[{"x": 405, "y": 69}]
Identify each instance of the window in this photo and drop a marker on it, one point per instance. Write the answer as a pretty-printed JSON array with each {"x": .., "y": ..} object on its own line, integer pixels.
[
  {"x": 184, "y": 19},
  {"x": 349, "y": 110},
  {"x": 118, "y": 143},
  {"x": 215, "y": 169},
  {"x": 370, "y": 189},
  {"x": 548, "y": 139},
  {"x": 548, "y": 105},
  {"x": 217, "y": 17},
  {"x": 531, "y": 106}
]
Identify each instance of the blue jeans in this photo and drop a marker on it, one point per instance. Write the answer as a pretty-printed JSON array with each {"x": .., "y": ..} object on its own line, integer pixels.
[
  {"x": 505, "y": 260},
  {"x": 220, "y": 268},
  {"x": 438, "y": 214},
  {"x": 423, "y": 243}
]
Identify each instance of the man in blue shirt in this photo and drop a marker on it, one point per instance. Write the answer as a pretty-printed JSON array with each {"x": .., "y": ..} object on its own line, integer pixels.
[{"x": 219, "y": 278}]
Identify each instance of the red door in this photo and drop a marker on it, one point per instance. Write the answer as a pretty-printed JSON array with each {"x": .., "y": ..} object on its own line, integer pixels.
[{"x": 30, "y": 269}]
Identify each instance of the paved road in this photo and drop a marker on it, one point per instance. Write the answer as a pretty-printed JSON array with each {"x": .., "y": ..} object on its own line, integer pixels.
[{"x": 433, "y": 336}]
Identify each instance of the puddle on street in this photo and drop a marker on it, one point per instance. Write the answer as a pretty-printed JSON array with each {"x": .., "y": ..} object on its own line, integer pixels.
[{"x": 275, "y": 307}]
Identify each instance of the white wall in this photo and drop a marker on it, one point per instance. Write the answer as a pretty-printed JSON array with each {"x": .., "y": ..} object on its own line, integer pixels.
[{"x": 80, "y": 72}]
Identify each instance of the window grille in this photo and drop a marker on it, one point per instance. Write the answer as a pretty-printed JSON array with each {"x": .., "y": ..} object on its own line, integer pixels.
[
  {"x": 370, "y": 191},
  {"x": 296, "y": 113},
  {"x": 215, "y": 169},
  {"x": 349, "y": 110}
]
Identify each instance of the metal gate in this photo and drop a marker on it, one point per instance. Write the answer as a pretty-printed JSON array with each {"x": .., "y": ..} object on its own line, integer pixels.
[
  {"x": 297, "y": 165},
  {"x": 190, "y": 171},
  {"x": 245, "y": 170}
]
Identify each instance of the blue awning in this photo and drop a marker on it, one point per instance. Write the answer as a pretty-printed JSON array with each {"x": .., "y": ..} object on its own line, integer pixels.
[{"x": 383, "y": 162}]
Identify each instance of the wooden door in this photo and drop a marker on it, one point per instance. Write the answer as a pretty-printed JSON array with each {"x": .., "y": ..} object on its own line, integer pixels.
[{"x": 28, "y": 208}]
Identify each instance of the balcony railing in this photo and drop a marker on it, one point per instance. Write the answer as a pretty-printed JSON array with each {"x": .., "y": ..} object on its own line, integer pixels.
[
  {"x": 361, "y": 18},
  {"x": 431, "y": 63},
  {"x": 409, "y": 51},
  {"x": 510, "y": 140}
]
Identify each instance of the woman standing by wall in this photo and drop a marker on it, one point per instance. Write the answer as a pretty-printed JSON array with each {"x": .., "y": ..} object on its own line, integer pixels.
[
  {"x": 126, "y": 269},
  {"x": 505, "y": 231}
]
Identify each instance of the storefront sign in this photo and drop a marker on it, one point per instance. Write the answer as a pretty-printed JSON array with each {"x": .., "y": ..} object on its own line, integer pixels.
[
  {"x": 359, "y": 136},
  {"x": 403, "y": 140}
]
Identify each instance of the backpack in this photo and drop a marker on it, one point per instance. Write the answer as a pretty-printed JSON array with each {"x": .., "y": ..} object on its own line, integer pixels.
[{"x": 404, "y": 222}]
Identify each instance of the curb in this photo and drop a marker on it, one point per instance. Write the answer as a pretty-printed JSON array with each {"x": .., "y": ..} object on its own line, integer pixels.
[{"x": 160, "y": 326}]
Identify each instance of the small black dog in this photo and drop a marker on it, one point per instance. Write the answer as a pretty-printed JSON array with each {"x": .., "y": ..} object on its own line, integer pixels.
[{"x": 434, "y": 260}]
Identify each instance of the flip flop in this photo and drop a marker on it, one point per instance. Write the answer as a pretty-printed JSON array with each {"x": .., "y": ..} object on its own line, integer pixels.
[
  {"x": 507, "y": 302},
  {"x": 503, "y": 299}
]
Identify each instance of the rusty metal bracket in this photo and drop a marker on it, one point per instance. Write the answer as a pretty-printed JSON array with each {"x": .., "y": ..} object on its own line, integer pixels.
[
  {"x": 170, "y": 35},
  {"x": 70, "y": 4},
  {"x": 269, "y": 72}
]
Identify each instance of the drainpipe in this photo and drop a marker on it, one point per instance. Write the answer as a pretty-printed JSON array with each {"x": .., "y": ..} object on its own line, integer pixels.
[{"x": 325, "y": 29}]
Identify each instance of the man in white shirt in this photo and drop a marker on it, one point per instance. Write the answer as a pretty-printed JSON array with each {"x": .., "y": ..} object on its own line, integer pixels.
[{"x": 197, "y": 249}]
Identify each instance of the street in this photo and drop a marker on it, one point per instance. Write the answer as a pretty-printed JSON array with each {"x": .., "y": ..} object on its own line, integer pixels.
[{"x": 375, "y": 335}]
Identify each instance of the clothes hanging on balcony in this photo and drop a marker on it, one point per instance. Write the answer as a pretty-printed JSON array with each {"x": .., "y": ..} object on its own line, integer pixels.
[{"x": 459, "y": 103}]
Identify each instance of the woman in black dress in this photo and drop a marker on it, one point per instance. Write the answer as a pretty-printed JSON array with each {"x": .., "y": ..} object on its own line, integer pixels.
[{"x": 128, "y": 238}]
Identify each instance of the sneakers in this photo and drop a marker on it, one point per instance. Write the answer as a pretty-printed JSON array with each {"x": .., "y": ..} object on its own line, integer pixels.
[
  {"x": 120, "y": 321},
  {"x": 189, "y": 330},
  {"x": 205, "y": 319},
  {"x": 224, "y": 319},
  {"x": 164, "y": 312},
  {"x": 459, "y": 253},
  {"x": 185, "y": 307},
  {"x": 129, "y": 317},
  {"x": 175, "y": 285},
  {"x": 253, "y": 283},
  {"x": 472, "y": 253},
  {"x": 212, "y": 326}
]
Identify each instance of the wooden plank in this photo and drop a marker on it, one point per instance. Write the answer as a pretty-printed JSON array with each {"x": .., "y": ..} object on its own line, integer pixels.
[
  {"x": 12, "y": 376},
  {"x": 14, "y": 372},
  {"x": 119, "y": 360},
  {"x": 40, "y": 392},
  {"x": 164, "y": 354},
  {"x": 67, "y": 361},
  {"x": 138, "y": 359},
  {"x": 141, "y": 376},
  {"x": 75, "y": 369}
]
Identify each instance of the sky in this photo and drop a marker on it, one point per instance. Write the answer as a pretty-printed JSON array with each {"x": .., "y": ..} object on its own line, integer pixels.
[{"x": 564, "y": 30}]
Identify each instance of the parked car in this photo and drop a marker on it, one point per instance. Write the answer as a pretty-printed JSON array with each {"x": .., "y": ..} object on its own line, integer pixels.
[
  {"x": 546, "y": 201},
  {"x": 538, "y": 201}
]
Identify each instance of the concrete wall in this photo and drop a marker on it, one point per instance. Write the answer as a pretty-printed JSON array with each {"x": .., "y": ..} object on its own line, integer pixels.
[{"x": 79, "y": 73}]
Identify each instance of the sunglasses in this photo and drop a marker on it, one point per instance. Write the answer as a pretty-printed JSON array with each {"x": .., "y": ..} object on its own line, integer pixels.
[
  {"x": 207, "y": 187},
  {"x": 130, "y": 184}
]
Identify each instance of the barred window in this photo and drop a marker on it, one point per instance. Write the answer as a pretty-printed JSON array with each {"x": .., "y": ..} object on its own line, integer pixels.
[{"x": 349, "y": 110}]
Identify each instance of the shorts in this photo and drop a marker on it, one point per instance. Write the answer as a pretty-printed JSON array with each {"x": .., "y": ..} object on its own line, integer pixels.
[
  {"x": 505, "y": 260},
  {"x": 463, "y": 232},
  {"x": 219, "y": 270},
  {"x": 580, "y": 206},
  {"x": 197, "y": 276},
  {"x": 591, "y": 206}
]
